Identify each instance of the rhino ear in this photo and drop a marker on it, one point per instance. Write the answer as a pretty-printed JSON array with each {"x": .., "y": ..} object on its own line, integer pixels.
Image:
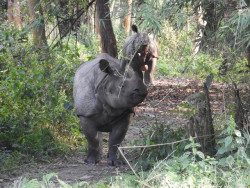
[
  {"x": 104, "y": 66},
  {"x": 134, "y": 28}
]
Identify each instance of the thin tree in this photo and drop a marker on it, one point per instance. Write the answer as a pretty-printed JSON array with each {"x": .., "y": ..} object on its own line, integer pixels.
[
  {"x": 199, "y": 24},
  {"x": 36, "y": 14},
  {"x": 212, "y": 20},
  {"x": 127, "y": 21},
  {"x": 108, "y": 40},
  {"x": 14, "y": 13},
  {"x": 3, "y": 9},
  {"x": 230, "y": 6}
]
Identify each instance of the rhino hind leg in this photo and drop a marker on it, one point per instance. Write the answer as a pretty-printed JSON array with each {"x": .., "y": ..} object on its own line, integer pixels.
[
  {"x": 115, "y": 138},
  {"x": 94, "y": 141}
]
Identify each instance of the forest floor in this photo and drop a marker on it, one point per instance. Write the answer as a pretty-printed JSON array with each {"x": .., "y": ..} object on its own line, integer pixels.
[{"x": 162, "y": 106}]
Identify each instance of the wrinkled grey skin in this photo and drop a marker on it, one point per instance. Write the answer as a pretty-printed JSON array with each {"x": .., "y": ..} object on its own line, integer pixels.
[
  {"x": 104, "y": 102},
  {"x": 143, "y": 50}
]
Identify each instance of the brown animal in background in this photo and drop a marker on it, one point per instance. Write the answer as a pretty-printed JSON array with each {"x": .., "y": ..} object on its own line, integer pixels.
[{"x": 143, "y": 50}]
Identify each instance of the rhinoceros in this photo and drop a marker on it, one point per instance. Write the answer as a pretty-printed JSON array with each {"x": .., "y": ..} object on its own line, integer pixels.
[
  {"x": 105, "y": 93},
  {"x": 142, "y": 49}
]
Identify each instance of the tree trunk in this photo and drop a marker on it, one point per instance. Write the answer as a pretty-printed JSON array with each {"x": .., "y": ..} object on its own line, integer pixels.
[
  {"x": 14, "y": 14},
  {"x": 63, "y": 25},
  {"x": 97, "y": 30},
  {"x": 211, "y": 19},
  {"x": 108, "y": 40},
  {"x": 238, "y": 109},
  {"x": 230, "y": 6},
  {"x": 199, "y": 24},
  {"x": 201, "y": 123},
  {"x": 127, "y": 21},
  {"x": 10, "y": 11},
  {"x": 17, "y": 15},
  {"x": 92, "y": 20},
  {"x": 3, "y": 9},
  {"x": 36, "y": 14},
  {"x": 248, "y": 46}
]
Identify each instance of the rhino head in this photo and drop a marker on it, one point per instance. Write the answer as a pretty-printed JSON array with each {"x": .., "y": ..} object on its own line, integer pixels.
[
  {"x": 120, "y": 88},
  {"x": 143, "y": 52}
]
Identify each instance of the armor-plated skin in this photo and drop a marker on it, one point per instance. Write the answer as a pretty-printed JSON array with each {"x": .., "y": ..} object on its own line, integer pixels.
[
  {"x": 143, "y": 50},
  {"x": 104, "y": 101}
]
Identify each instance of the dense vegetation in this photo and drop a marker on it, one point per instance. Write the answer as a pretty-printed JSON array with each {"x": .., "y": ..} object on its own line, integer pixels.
[{"x": 37, "y": 119}]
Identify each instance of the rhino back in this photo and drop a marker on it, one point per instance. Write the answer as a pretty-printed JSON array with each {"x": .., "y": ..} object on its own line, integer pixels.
[{"x": 87, "y": 78}]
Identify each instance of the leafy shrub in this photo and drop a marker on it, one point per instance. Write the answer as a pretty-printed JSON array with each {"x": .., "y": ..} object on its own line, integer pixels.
[
  {"x": 47, "y": 181},
  {"x": 146, "y": 158},
  {"x": 189, "y": 167},
  {"x": 37, "y": 114}
]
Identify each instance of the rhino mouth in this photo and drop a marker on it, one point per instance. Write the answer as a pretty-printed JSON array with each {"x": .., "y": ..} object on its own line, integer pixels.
[{"x": 138, "y": 96}]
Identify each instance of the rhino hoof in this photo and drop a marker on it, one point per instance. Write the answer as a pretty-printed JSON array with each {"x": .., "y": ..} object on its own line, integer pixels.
[
  {"x": 116, "y": 162},
  {"x": 90, "y": 161}
]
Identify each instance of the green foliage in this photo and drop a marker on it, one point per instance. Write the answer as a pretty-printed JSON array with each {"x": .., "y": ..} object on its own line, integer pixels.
[
  {"x": 192, "y": 168},
  {"x": 37, "y": 116},
  {"x": 120, "y": 40},
  {"x": 47, "y": 181},
  {"x": 86, "y": 38},
  {"x": 233, "y": 147},
  {"x": 10, "y": 160},
  {"x": 126, "y": 180},
  {"x": 146, "y": 158},
  {"x": 178, "y": 57}
]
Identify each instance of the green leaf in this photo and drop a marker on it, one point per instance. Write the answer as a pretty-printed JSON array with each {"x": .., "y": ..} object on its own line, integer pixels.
[
  {"x": 200, "y": 154},
  {"x": 228, "y": 141},
  {"x": 239, "y": 140},
  {"x": 230, "y": 160},
  {"x": 222, "y": 161},
  {"x": 221, "y": 151},
  {"x": 67, "y": 105},
  {"x": 63, "y": 184},
  {"x": 22, "y": 72},
  {"x": 185, "y": 105},
  {"x": 221, "y": 141},
  {"x": 188, "y": 146}
]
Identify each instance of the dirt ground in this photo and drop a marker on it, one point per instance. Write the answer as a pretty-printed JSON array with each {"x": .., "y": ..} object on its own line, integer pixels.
[{"x": 162, "y": 104}]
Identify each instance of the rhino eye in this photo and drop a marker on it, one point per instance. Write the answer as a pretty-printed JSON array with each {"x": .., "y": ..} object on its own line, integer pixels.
[{"x": 117, "y": 73}]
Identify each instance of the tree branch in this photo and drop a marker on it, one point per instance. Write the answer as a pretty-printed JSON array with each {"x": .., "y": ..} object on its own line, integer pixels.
[{"x": 79, "y": 13}]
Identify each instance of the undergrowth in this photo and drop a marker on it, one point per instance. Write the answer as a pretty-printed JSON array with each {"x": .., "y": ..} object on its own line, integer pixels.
[
  {"x": 184, "y": 165},
  {"x": 181, "y": 165},
  {"x": 37, "y": 116}
]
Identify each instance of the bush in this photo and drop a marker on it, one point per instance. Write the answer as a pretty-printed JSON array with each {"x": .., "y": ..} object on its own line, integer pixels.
[
  {"x": 37, "y": 114},
  {"x": 188, "y": 167},
  {"x": 48, "y": 180},
  {"x": 146, "y": 158}
]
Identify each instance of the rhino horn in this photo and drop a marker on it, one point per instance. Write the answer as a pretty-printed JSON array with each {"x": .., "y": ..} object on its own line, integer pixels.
[{"x": 124, "y": 63}]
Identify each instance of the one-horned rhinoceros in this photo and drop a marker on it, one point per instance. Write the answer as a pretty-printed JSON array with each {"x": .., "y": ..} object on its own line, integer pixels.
[
  {"x": 142, "y": 49},
  {"x": 104, "y": 97}
]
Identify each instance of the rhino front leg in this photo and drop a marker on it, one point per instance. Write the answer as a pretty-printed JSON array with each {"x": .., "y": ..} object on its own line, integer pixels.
[
  {"x": 93, "y": 138},
  {"x": 149, "y": 74},
  {"x": 116, "y": 137}
]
